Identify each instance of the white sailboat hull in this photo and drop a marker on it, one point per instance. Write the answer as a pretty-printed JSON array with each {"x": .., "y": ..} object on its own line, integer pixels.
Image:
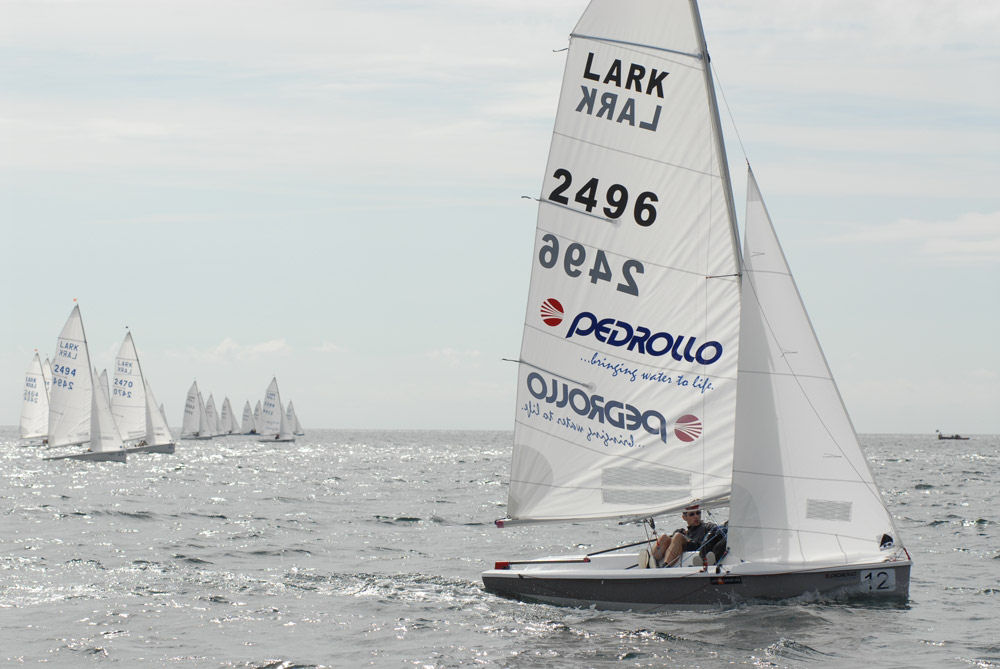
[
  {"x": 614, "y": 582},
  {"x": 97, "y": 456},
  {"x": 155, "y": 448}
]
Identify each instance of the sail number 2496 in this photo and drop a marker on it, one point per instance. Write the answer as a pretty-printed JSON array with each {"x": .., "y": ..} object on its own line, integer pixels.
[
  {"x": 616, "y": 198},
  {"x": 574, "y": 259}
]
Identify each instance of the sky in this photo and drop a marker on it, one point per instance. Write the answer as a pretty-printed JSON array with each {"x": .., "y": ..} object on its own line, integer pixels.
[{"x": 331, "y": 193}]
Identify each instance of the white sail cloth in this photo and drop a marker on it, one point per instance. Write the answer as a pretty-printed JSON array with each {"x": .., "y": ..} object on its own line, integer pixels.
[
  {"x": 627, "y": 380},
  {"x": 195, "y": 422},
  {"x": 34, "y": 423},
  {"x": 157, "y": 431},
  {"x": 802, "y": 489},
  {"x": 70, "y": 397},
  {"x": 272, "y": 412},
  {"x": 104, "y": 433},
  {"x": 128, "y": 394},
  {"x": 248, "y": 424}
]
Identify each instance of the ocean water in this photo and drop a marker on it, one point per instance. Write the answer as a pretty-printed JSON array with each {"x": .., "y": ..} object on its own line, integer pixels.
[{"x": 364, "y": 548}]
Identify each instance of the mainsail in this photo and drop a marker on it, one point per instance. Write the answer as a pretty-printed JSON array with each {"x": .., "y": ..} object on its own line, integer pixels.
[
  {"x": 128, "y": 394},
  {"x": 227, "y": 422},
  {"x": 271, "y": 411},
  {"x": 248, "y": 425},
  {"x": 793, "y": 504},
  {"x": 35, "y": 403},
  {"x": 627, "y": 372},
  {"x": 193, "y": 424},
  {"x": 212, "y": 415},
  {"x": 72, "y": 386},
  {"x": 293, "y": 419}
]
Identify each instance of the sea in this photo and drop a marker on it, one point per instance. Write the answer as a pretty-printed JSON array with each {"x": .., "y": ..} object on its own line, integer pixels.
[{"x": 365, "y": 548}]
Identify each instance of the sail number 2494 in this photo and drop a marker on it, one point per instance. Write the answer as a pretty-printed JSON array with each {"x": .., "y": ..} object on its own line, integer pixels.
[{"x": 574, "y": 258}]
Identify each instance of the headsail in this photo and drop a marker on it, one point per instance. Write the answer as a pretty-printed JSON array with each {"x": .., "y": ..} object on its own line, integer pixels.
[
  {"x": 627, "y": 375},
  {"x": 104, "y": 433},
  {"x": 128, "y": 395},
  {"x": 35, "y": 403},
  {"x": 157, "y": 431},
  {"x": 72, "y": 386},
  {"x": 802, "y": 489}
]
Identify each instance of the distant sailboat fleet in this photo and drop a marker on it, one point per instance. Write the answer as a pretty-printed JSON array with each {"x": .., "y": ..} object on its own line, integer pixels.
[{"x": 69, "y": 403}]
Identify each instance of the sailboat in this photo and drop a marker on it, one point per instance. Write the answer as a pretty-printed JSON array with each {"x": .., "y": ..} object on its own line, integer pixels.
[
  {"x": 248, "y": 425},
  {"x": 213, "y": 417},
  {"x": 227, "y": 422},
  {"x": 158, "y": 437},
  {"x": 275, "y": 420},
  {"x": 195, "y": 423},
  {"x": 78, "y": 411},
  {"x": 258, "y": 416},
  {"x": 34, "y": 423},
  {"x": 293, "y": 420},
  {"x": 134, "y": 407},
  {"x": 660, "y": 367}
]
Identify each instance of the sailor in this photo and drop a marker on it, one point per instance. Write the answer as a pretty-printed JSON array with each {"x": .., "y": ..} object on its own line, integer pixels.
[{"x": 669, "y": 549}]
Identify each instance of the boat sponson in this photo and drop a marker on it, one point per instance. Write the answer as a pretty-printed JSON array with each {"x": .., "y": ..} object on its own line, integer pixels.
[{"x": 646, "y": 589}]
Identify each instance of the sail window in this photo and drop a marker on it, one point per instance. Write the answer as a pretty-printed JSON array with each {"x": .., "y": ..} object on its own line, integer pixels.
[{"x": 825, "y": 509}]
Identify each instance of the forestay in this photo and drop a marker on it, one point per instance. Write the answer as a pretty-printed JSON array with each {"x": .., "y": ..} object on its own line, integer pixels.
[
  {"x": 802, "y": 490},
  {"x": 128, "y": 395},
  {"x": 627, "y": 376},
  {"x": 72, "y": 386}
]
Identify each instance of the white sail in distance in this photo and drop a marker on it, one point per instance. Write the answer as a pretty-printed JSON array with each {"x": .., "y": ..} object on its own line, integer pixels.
[
  {"x": 128, "y": 395},
  {"x": 157, "y": 431},
  {"x": 248, "y": 425},
  {"x": 34, "y": 423},
  {"x": 271, "y": 410},
  {"x": 191, "y": 426},
  {"x": 627, "y": 374},
  {"x": 293, "y": 419},
  {"x": 213, "y": 416},
  {"x": 793, "y": 505},
  {"x": 227, "y": 421},
  {"x": 70, "y": 397}
]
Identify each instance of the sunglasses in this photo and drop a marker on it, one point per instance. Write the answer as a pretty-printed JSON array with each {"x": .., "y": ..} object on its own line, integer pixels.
[{"x": 691, "y": 514}]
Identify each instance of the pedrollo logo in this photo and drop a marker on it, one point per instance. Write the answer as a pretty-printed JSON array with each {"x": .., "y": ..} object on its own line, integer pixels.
[{"x": 633, "y": 337}]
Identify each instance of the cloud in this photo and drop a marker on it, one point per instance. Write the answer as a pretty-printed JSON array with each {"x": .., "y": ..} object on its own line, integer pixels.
[
  {"x": 971, "y": 239},
  {"x": 329, "y": 347},
  {"x": 229, "y": 349},
  {"x": 454, "y": 358}
]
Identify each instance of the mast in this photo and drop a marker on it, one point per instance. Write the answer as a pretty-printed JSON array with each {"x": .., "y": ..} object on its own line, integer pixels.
[{"x": 720, "y": 146}]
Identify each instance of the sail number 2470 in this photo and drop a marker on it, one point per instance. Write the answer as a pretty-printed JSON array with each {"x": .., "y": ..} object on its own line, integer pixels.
[{"x": 574, "y": 259}]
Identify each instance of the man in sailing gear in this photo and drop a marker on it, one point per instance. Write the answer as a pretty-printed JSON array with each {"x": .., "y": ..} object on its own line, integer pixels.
[{"x": 669, "y": 549}]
